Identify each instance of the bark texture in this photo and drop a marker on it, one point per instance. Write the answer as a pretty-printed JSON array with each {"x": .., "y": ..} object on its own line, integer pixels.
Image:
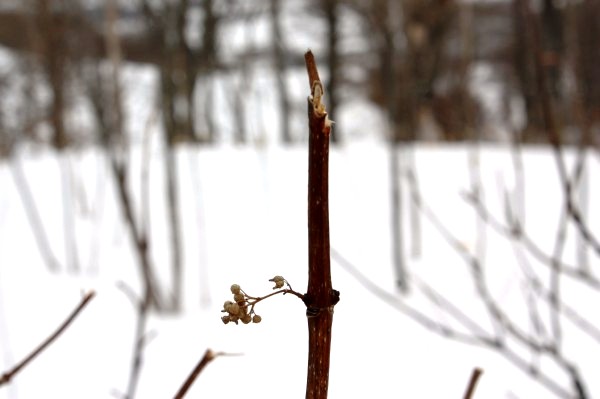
[{"x": 321, "y": 297}]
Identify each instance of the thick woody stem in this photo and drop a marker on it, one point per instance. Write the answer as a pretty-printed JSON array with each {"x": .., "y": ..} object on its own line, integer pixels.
[{"x": 320, "y": 298}]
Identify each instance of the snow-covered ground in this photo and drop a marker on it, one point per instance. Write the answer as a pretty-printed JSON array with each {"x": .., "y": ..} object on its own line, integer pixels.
[{"x": 244, "y": 221}]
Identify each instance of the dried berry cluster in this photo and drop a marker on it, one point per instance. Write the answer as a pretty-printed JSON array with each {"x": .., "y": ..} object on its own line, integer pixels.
[
  {"x": 242, "y": 306},
  {"x": 237, "y": 310}
]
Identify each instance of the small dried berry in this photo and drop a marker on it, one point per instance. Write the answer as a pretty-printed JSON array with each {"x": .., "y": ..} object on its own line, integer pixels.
[
  {"x": 235, "y": 289},
  {"x": 234, "y": 309},
  {"x": 279, "y": 282},
  {"x": 239, "y": 297},
  {"x": 256, "y": 319}
]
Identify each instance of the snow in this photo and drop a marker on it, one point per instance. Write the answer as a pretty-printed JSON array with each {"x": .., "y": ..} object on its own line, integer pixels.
[{"x": 244, "y": 221}]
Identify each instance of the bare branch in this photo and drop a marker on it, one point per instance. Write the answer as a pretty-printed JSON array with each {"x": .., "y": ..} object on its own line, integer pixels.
[
  {"x": 33, "y": 215},
  {"x": 420, "y": 318},
  {"x": 473, "y": 382},
  {"x": 7, "y": 376},
  {"x": 209, "y": 356},
  {"x": 517, "y": 233},
  {"x": 141, "y": 306}
]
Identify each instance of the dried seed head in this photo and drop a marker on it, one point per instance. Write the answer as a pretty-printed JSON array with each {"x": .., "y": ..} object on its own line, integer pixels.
[
  {"x": 234, "y": 309},
  {"x": 279, "y": 282},
  {"x": 246, "y": 319},
  {"x": 239, "y": 297},
  {"x": 226, "y": 305},
  {"x": 225, "y": 319},
  {"x": 256, "y": 319},
  {"x": 235, "y": 289}
]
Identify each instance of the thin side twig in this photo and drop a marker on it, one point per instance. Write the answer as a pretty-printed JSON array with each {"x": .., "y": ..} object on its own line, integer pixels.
[
  {"x": 209, "y": 356},
  {"x": 473, "y": 382},
  {"x": 7, "y": 376}
]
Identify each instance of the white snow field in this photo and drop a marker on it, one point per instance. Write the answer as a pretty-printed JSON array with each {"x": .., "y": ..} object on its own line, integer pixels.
[{"x": 243, "y": 214}]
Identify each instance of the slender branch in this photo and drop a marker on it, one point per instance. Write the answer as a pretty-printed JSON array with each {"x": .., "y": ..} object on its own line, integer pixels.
[
  {"x": 516, "y": 232},
  {"x": 549, "y": 382},
  {"x": 142, "y": 307},
  {"x": 70, "y": 239},
  {"x": 7, "y": 376},
  {"x": 448, "y": 307},
  {"x": 257, "y": 299},
  {"x": 111, "y": 122},
  {"x": 33, "y": 214},
  {"x": 414, "y": 314},
  {"x": 473, "y": 382},
  {"x": 209, "y": 356}
]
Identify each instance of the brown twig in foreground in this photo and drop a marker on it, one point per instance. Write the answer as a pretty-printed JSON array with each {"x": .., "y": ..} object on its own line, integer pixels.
[
  {"x": 6, "y": 377},
  {"x": 207, "y": 358},
  {"x": 320, "y": 297},
  {"x": 473, "y": 382}
]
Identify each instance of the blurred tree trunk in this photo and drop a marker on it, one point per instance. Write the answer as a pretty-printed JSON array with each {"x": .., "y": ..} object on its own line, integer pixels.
[
  {"x": 104, "y": 91},
  {"x": 52, "y": 41},
  {"x": 239, "y": 111},
  {"x": 553, "y": 45},
  {"x": 174, "y": 225},
  {"x": 391, "y": 73},
  {"x": 208, "y": 60},
  {"x": 426, "y": 26},
  {"x": 179, "y": 71},
  {"x": 398, "y": 256},
  {"x": 330, "y": 8},
  {"x": 279, "y": 54},
  {"x": 588, "y": 61},
  {"x": 384, "y": 12},
  {"x": 524, "y": 71},
  {"x": 552, "y": 48}
]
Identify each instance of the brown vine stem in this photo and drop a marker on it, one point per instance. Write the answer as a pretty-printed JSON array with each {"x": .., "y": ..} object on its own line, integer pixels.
[
  {"x": 7, "y": 376},
  {"x": 320, "y": 298},
  {"x": 257, "y": 299}
]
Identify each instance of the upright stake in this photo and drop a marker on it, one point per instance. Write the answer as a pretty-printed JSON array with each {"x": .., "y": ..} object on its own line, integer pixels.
[{"x": 321, "y": 297}]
